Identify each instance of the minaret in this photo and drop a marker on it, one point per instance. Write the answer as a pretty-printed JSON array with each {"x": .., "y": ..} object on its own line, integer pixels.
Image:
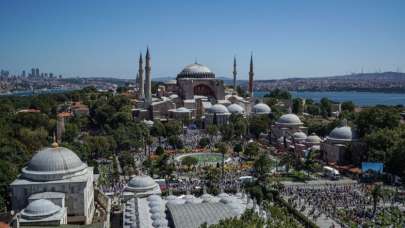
[
  {"x": 251, "y": 74},
  {"x": 140, "y": 77},
  {"x": 148, "y": 80},
  {"x": 234, "y": 74}
]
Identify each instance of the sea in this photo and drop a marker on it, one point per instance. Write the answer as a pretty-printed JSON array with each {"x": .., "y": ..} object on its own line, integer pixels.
[{"x": 358, "y": 98}]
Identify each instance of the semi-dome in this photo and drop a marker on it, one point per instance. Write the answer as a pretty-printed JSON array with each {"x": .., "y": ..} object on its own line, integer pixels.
[
  {"x": 314, "y": 139},
  {"x": 217, "y": 108},
  {"x": 39, "y": 209},
  {"x": 289, "y": 120},
  {"x": 261, "y": 108},
  {"x": 236, "y": 109},
  {"x": 196, "y": 70},
  {"x": 342, "y": 134},
  {"x": 53, "y": 163},
  {"x": 299, "y": 135}
]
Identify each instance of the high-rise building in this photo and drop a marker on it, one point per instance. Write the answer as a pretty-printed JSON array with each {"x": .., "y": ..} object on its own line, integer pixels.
[
  {"x": 251, "y": 74},
  {"x": 140, "y": 77},
  {"x": 32, "y": 72},
  {"x": 148, "y": 80},
  {"x": 37, "y": 72},
  {"x": 23, "y": 73}
]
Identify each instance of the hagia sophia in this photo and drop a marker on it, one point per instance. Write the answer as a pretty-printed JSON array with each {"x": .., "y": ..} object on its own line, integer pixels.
[{"x": 195, "y": 94}]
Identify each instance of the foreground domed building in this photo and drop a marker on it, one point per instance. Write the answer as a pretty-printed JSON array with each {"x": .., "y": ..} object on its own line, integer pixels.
[
  {"x": 336, "y": 146},
  {"x": 288, "y": 126},
  {"x": 54, "y": 182}
]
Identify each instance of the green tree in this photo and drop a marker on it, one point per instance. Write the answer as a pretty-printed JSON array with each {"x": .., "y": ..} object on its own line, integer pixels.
[
  {"x": 258, "y": 125},
  {"x": 204, "y": 142},
  {"x": 262, "y": 166},
  {"x": 158, "y": 130},
  {"x": 238, "y": 148},
  {"x": 227, "y": 132},
  {"x": 159, "y": 151},
  {"x": 325, "y": 107},
  {"x": 348, "y": 106},
  {"x": 189, "y": 161},
  {"x": 279, "y": 94},
  {"x": 252, "y": 150},
  {"x": 372, "y": 119},
  {"x": 297, "y": 107}
]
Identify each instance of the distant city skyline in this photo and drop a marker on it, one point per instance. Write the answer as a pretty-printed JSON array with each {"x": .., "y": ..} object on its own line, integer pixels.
[{"x": 287, "y": 38}]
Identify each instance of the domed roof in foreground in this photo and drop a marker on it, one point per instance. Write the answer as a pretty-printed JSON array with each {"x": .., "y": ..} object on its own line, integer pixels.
[
  {"x": 299, "y": 135},
  {"x": 196, "y": 70},
  {"x": 314, "y": 139},
  {"x": 142, "y": 182},
  {"x": 236, "y": 109},
  {"x": 289, "y": 120},
  {"x": 217, "y": 108},
  {"x": 342, "y": 133},
  {"x": 261, "y": 108},
  {"x": 53, "y": 163},
  {"x": 40, "y": 208}
]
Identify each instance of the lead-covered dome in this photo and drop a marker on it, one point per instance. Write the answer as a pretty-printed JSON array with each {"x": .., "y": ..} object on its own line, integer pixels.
[
  {"x": 261, "y": 108},
  {"x": 289, "y": 120},
  {"x": 142, "y": 182},
  {"x": 218, "y": 108},
  {"x": 313, "y": 139},
  {"x": 342, "y": 134},
  {"x": 299, "y": 135},
  {"x": 39, "y": 209},
  {"x": 53, "y": 163},
  {"x": 196, "y": 70},
  {"x": 236, "y": 109}
]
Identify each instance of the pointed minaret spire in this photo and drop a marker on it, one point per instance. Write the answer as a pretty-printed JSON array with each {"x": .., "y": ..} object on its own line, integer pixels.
[
  {"x": 148, "y": 79},
  {"x": 140, "y": 76},
  {"x": 234, "y": 74},
  {"x": 251, "y": 74}
]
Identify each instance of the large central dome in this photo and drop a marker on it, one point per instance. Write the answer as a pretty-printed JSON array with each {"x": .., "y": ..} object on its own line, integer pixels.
[
  {"x": 53, "y": 163},
  {"x": 196, "y": 70}
]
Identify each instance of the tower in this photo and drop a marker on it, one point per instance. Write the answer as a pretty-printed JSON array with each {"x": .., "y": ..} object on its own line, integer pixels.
[
  {"x": 140, "y": 77},
  {"x": 148, "y": 82},
  {"x": 234, "y": 74},
  {"x": 251, "y": 74}
]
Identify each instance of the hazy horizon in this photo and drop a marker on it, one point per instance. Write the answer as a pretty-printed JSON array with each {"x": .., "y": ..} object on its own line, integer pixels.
[{"x": 287, "y": 38}]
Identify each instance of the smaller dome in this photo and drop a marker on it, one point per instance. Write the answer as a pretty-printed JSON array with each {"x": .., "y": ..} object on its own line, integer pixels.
[
  {"x": 218, "y": 108},
  {"x": 343, "y": 134},
  {"x": 289, "y": 120},
  {"x": 314, "y": 139},
  {"x": 261, "y": 108},
  {"x": 236, "y": 109},
  {"x": 40, "y": 208},
  {"x": 142, "y": 182},
  {"x": 299, "y": 135}
]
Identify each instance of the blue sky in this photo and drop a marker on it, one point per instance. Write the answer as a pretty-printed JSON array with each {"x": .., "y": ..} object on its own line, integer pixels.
[{"x": 288, "y": 38}]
